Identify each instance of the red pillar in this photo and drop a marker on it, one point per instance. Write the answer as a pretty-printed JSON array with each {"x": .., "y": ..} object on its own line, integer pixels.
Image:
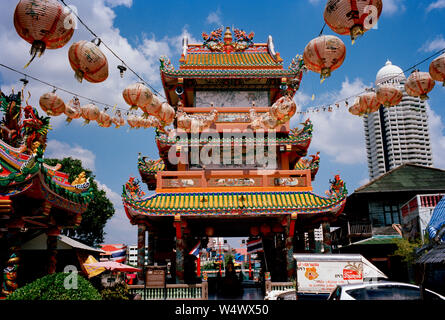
[{"x": 51, "y": 245}]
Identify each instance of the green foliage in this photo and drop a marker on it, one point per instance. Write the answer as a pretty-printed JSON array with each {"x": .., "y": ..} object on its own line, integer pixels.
[
  {"x": 208, "y": 266},
  {"x": 100, "y": 209},
  {"x": 228, "y": 258},
  {"x": 51, "y": 287},
  {"x": 407, "y": 249},
  {"x": 117, "y": 292}
]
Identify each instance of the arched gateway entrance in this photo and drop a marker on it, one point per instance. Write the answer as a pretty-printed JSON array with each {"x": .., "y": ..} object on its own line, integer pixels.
[{"x": 231, "y": 167}]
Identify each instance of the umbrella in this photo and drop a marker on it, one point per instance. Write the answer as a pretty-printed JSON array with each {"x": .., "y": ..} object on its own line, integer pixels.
[{"x": 113, "y": 266}]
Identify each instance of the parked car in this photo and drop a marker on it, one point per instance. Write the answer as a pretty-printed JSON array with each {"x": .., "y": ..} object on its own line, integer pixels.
[{"x": 382, "y": 291}]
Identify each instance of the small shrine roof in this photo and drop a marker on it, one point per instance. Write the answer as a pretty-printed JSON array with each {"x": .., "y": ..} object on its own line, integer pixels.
[
  {"x": 259, "y": 58},
  {"x": 230, "y": 55},
  {"x": 19, "y": 172}
]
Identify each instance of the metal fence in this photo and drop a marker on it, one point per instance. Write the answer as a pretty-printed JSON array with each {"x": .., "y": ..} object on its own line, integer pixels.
[
  {"x": 172, "y": 292},
  {"x": 278, "y": 286}
]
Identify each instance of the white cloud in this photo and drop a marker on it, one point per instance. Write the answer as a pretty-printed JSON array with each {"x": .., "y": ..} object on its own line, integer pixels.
[
  {"x": 391, "y": 7},
  {"x": 437, "y": 136},
  {"x": 115, "y": 3},
  {"x": 363, "y": 181},
  {"x": 434, "y": 45},
  {"x": 439, "y": 4},
  {"x": 214, "y": 17},
  {"x": 59, "y": 150},
  {"x": 337, "y": 131},
  {"x": 118, "y": 228}
]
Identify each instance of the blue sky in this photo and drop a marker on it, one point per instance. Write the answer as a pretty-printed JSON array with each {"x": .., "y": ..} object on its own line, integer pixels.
[{"x": 141, "y": 31}]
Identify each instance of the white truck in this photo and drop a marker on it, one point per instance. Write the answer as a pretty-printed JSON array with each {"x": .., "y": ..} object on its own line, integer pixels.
[{"x": 319, "y": 274}]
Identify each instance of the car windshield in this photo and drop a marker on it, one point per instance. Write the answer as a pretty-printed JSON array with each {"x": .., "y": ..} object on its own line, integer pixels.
[{"x": 390, "y": 292}]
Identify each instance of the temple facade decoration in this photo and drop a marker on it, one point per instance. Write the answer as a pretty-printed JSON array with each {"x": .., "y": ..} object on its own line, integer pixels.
[
  {"x": 33, "y": 196},
  {"x": 230, "y": 164}
]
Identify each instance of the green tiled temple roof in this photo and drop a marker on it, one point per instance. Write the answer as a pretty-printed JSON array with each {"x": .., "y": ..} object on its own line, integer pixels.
[
  {"x": 407, "y": 177},
  {"x": 233, "y": 203}
]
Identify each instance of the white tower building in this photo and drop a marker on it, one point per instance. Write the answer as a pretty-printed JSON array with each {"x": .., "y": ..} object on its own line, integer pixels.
[{"x": 398, "y": 134}]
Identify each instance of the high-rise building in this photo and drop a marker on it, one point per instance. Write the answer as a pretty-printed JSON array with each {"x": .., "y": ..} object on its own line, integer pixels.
[{"x": 398, "y": 134}]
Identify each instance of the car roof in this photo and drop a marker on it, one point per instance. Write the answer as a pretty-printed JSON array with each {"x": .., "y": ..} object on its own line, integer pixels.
[
  {"x": 381, "y": 283},
  {"x": 376, "y": 283}
]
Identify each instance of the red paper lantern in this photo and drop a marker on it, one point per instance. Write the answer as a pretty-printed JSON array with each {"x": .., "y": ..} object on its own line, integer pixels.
[
  {"x": 355, "y": 109},
  {"x": 45, "y": 24},
  {"x": 52, "y": 104},
  {"x": 265, "y": 229},
  {"x": 353, "y": 17},
  {"x": 153, "y": 108},
  {"x": 437, "y": 69},
  {"x": 324, "y": 55},
  {"x": 118, "y": 120},
  {"x": 137, "y": 95},
  {"x": 283, "y": 109},
  {"x": 389, "y": 95},
  {"x": 88, "y": 62},
  {"x": 90, "y": 112},
  {"x": 254, "y": 231},
  {"x": 104, "y": 120},
  {"x": 209, "y": 231},
  {"x": 166, "y": 114},
  {"x": 73, "y": 110},
  {"x": 132, "y": 121},
  {"x": 277, "y": 228},
  {"x": 419, "y": 84},
  {"x": 368, "y": 103}
]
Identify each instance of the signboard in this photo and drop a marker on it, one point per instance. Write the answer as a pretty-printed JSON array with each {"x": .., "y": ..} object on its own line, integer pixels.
[
  {"x": 230, "y": 98},
  {"x": 324, "y": 276},
  {"x": 155, "y": 277}
]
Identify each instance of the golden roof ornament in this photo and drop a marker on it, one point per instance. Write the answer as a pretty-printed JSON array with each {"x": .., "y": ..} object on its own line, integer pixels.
[{"x": 215, "y": 41}]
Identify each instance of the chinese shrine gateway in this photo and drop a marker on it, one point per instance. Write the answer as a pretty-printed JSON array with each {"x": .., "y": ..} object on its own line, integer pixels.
[{"x": 231, "y": 96}]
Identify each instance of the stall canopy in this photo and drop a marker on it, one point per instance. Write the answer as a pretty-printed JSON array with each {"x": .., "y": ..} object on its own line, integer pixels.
[{"x": 63, "y": 243}]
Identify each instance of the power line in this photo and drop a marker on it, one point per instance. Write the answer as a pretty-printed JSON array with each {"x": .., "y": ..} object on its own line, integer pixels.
[
  {"x": 109, "y": 49},
  {"x": 392, "y": 78},
  {"x": 62, "y": 89}
]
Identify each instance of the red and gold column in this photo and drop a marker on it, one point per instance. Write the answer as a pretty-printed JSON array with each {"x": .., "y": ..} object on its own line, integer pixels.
[
  {"x": 142, "y": 228},
  {"x": 179, "y": 250},
  {"x": 51, "y": 247},
  {"x": 291, "y": 220}
]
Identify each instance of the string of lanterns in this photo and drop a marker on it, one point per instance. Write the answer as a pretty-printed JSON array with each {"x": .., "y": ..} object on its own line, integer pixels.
[
  {"x": 46, "y": 24},
  {"x": 156, "y": 114},
  {"x": 54, "y": 106},
  {"x": 388, "y": 94},
  {"x": 43, "y": 23},
  {"x": 327, "y": 53}
]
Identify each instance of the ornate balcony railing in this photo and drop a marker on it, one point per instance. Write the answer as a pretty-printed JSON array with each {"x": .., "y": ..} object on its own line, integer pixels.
[{"x": 260, "y": 179}]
